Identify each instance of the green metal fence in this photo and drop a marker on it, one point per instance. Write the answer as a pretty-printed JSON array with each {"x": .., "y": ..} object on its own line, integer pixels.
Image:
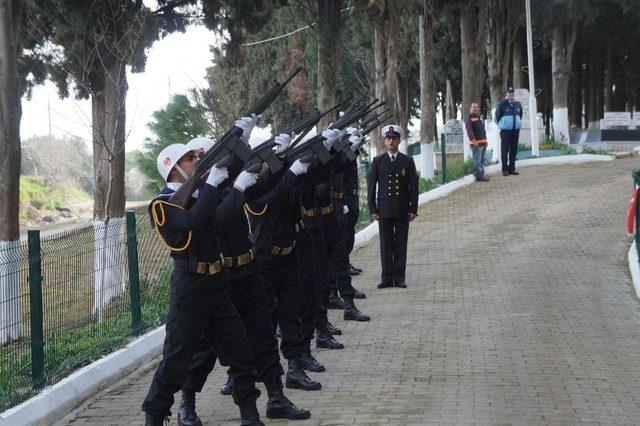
[{"x": 70, "y": 298}]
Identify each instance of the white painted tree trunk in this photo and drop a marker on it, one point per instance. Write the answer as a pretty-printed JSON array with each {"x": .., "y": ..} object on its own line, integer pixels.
[
  {"x": 108, "y": 263},
  {"x": 493, "y": 137},
  {"x": 427, "y": 163},
  {"x": 466, "y": 148},
  {"x": 404, "y": 146},
  {"x": 561, "y": 125},
  {"x": 11, "y": 322},
  {"x": 373, "y": 151}
]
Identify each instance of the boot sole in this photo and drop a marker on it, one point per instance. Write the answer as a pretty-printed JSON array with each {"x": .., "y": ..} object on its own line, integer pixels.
[
  {"x": 293, "y": 385},
  {"x": 346, "y": 318},
  {"x": 325, "y": 346},
  {"x": 278, "y": 413},
  {"x": 317, "y": 370},
  {"x": 360, "y": 297}
]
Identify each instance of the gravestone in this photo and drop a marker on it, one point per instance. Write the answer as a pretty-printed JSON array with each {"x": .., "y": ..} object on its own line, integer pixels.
[
  {"x": 617, "y": 120},
  {"x": 454, "y": 134}
]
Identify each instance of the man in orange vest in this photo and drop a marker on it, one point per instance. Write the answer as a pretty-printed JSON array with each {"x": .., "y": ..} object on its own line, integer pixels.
[{"x": 477, "y": 139}]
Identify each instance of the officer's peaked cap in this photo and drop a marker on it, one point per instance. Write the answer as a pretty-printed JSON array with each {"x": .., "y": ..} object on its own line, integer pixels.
[{"x": 391, "y": 130}]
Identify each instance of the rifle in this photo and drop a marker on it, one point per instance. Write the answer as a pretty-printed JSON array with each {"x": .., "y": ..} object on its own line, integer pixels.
[
  {"x": 264, "y": 152},
  {"x": 373, "y": 122},
  {"x": 314, "y": 145},
  {"x": 229, "y": 144}
]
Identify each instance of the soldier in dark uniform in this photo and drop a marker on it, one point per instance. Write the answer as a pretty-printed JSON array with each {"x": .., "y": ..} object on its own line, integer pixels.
[
  {"x": 273, "y": 232},
  {"x": 248, "y": 297},
  {"x": 392, "y": 193},
  {"x": 199, "y": 302},
  {"x": 352, "y": 202}
]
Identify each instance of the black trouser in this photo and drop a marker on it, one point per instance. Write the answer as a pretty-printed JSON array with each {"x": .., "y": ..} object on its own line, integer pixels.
[
  {"x": 282, "y": 284},
  {"x": 309, "y": 307},
  {"x": 349, "y": 222},
  {"x": 509, "y": 147},
  {"x": 338, "y": 275},
  {"x": 394, "y": 233},
  {"x": 322, "y": 264},
  {"x": 250, "y": 300},
  {"x": 200, "y": 305}
]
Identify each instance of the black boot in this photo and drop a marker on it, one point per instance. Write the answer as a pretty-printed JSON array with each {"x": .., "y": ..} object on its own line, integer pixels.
[
  {"x": 334, "y": 301},
  {"x": 357, "y": 294},
  {"x": 152, "y": 418},
  {"x": 352, "y": 271},
  {"x": 297, "y": 378},
  {"x": 326, "y": 340},
  {"x": 309, "y": 363},
  {"x": 357, "y": 269},
  {"x": 333, "y": 330},
  {"x": 279, "y": 406},
  {"x": 249, "y": 415},
  {"x": 352, "y": 313},
  {"x": 227, "y": 387},
  {"x": 187, "y": 415}
]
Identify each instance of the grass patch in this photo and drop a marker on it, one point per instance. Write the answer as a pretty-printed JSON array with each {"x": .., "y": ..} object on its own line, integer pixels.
[
  {"x": 36, "y": 192},
  {"x": 589, "y": 150}
]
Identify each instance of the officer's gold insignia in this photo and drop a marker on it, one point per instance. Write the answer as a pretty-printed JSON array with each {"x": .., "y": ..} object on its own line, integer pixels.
[{"x": 403, "y": 172}]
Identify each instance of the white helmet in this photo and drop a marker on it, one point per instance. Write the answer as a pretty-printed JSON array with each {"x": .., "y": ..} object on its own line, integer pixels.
[
  {"x": 169, "y": 157},
  {"x": 200, "y": 144}
]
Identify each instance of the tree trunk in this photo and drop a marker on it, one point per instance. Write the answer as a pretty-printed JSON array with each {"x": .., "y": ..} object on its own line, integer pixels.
[
  {"x": 109, "y": 116},
  {"x": 11, "y": 323},
  {"x": 450, "y": 102},
  {"x": 576, "y": 91},
  {"x": 563, "y": 37},
  {"x": 609, "y": 81},
  {"x": 473, "y": 24},
  {"x": 328, "y": 34},
  {"x": 379, "y": 56},
  {"x": 594, "y": 114},
  {"x": 518, "y": 80},
  {"x": 427, "y": 97},
  {"x": 503, "y": 20}
]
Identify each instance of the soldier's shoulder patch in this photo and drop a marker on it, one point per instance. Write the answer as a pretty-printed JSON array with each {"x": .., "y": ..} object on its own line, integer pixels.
[{"x": 403, "y": 172}]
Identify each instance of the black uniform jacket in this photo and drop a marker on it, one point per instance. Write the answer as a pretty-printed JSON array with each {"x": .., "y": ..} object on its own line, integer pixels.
[
  {"x": 396, "y": 184},
  {"x": 190, "y": 233}
]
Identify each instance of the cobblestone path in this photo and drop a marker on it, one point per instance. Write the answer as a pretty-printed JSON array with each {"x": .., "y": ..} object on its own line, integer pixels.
[{"x": 519, "y": 310}]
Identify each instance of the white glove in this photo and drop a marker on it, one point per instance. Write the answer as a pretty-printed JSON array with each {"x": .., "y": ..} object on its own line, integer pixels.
[
  {"x": 282, "y": 142},
  {"x": 345, "y": 209},
  {"x": 352, "y": 130},
  {"x": 355, "y": 140},
  {"x": 246, "y": 124},
  {"x": 330, "y": 135},
  {"x": 298, "y": 167},
  {"x": 217, "y": 175},
  {"x": 245, "y": 180}
]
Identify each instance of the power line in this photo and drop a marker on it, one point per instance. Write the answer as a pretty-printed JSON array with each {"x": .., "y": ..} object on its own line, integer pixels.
[{"x": 253, "y": 43}]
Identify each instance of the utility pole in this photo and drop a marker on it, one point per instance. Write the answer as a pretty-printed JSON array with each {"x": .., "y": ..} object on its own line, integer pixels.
[
  {"x": 49, "y": 114},
  {"x": 533, "y": 107}
]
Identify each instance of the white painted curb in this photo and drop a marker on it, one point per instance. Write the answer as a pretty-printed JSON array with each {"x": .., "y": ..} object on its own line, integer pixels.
[
  {"x": 56, "y": 401},
  {"x": 365, "y": 235},
  {"x": 634, "y": 268}
]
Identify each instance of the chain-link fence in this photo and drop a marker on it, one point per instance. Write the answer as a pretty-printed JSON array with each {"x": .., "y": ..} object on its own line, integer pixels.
[{"x": 70, "y": 298}]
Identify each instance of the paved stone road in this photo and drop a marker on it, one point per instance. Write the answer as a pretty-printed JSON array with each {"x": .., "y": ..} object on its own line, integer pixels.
[{"x": 519, "y": 310}]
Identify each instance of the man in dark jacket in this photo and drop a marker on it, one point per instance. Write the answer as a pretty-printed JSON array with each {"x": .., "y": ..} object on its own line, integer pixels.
[
  {"x": 509, "y": 116},
  {"x": 477, "y": 139},
  {"x": 392, "y": 192}
]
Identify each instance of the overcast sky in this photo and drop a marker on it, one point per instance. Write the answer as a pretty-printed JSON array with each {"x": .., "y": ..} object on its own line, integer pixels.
[{"x": 175, "y": 64}]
